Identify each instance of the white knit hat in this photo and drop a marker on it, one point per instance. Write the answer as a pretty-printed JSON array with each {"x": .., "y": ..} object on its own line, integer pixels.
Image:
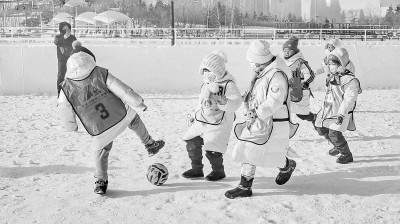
[
  {"x": 258, "y": 52},
  {"x": 215, "y": 62}
]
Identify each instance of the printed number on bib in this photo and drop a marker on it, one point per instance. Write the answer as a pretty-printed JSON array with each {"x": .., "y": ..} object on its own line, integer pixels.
[{"x": 103, "y": 112}]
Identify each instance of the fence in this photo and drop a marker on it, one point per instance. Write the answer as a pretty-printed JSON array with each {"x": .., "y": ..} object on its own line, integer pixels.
[{"x": 10, "y": 33}]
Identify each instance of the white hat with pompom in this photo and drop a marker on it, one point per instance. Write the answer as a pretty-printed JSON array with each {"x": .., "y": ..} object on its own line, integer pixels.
[{"x": 215, "y": 62}]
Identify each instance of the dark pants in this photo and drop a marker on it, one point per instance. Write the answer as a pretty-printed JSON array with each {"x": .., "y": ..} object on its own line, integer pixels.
[
  {"x": 194, "y": 149},
  {"x": 336, "y": 138},
  {"x": 101, "y": 155},
  {"x": 62, "y": 69}
]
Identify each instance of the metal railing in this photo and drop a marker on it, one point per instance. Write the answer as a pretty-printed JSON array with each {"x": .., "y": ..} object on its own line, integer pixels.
[{"x": 15, "y": 33}]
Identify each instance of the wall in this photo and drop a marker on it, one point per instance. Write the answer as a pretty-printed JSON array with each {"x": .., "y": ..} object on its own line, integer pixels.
[{"x": 28, "y": 69}]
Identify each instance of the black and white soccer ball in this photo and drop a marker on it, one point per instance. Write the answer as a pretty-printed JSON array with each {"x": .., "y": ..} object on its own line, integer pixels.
[{"x": 157, "y": 174}]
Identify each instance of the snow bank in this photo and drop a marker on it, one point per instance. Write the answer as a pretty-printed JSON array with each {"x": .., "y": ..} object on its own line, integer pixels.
[{"x": 28, "y": 69}]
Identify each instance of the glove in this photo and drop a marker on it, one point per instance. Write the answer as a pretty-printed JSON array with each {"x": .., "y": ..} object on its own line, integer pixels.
[
  {"x": 339, "y": 120},
  {"x": 250, "y": 117},
  {"x": 189, "y": 120},
  {"x": 221, "y": 100},
  {"x": 320, "y": 71},
  {"x": 305, "y": 85}
]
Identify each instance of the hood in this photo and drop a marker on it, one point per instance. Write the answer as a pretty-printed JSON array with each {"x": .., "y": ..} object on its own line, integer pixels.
[
  {"x": 279, "y": 64},
  {"x": 79, "y": 66},
  {"x": 294, "y": 58}
]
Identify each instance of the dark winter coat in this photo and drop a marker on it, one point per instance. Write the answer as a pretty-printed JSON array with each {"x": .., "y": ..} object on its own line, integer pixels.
[{"x": 64, "y": 46}]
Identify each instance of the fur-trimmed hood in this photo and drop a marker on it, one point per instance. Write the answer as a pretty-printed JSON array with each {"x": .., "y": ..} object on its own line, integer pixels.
[{"x": 79, "y": 66}]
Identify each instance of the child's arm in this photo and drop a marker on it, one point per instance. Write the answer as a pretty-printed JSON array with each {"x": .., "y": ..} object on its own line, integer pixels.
[
  {"x": 351, "y": 91},
  {"x": 59, "y": 40},
  {"x": 125, "y": 93},
  {"x": 275, "y": 98},
  {"x": 308, "y": 76},
  {"x": 67, "y": 114},
  {"x": 233, "y": 98}
]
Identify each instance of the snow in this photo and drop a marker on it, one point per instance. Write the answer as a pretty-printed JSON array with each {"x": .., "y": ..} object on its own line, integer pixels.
[
  {"x": 46, "y": 175},
  {"x": 30, "y": 69}
]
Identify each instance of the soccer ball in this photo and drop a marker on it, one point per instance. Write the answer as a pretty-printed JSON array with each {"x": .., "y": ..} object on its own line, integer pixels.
[{"x": 157, "y": 174}]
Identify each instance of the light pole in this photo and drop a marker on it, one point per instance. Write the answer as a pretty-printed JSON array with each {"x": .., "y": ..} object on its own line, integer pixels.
[{"x": 172, "y": 24}]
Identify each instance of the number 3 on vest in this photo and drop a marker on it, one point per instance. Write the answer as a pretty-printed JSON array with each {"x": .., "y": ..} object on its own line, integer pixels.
[{"x": 103, "y": 112}]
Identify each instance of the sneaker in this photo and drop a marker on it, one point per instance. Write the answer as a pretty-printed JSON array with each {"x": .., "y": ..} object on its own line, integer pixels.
[
  {"x": 286, "y": 172},
  {"x": 216, "y": 175},
  {"x": 155, "y": 147},
  {"x": 191, "y": 174},
  {"x": 334, "y": 152},
  {"x": 101, "y": 186},
  {"x": 345, "y": 158},
  {"x": 239, "y": 191}
]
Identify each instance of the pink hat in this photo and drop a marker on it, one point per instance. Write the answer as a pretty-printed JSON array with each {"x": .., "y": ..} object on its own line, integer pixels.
[{"x": 258, "y": 52}]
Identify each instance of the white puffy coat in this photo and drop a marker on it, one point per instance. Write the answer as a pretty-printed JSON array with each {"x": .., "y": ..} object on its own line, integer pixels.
[
  {"x": 266, "y": 143},
  {"x": 216, "y": 136}
]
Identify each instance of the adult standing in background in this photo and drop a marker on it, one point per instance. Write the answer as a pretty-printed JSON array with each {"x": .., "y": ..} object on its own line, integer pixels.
[{"x": 63, "y": 41}]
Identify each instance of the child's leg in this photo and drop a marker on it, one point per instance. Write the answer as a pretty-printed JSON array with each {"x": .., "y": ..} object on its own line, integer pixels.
[
  {"x": 194, "y": 149},
  {"x": 246, "y": 181},
  {"x": 339, "y": 142},
  {"x": 140, "y": 130},
  {"x": 323, "y": 132},
  {"x": 216, "y": 161},
  {"x": 101, "y": 162}
]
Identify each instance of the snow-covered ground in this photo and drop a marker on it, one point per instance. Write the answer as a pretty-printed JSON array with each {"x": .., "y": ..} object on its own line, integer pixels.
[{"x": 46, "y": 175}]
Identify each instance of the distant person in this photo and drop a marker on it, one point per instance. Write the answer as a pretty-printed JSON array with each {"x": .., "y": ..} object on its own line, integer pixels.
[
  {"x": 103, "y": 104},
  {"x": 336, "y": 115},
  {"x": 64, "y": 47}
]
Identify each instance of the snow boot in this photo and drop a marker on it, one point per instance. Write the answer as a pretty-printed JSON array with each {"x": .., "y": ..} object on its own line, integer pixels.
[
  {"x": 243, "y": 190},
  {"x": 346, "y": 156},
  {"x": 193, "y": 173},
  {"x": 216, "y": 175},
  {"x": 216, "y": 161},
  {"x": 154, "y": 148},
  {"x": 194, "y": 147},
  {"x": 101, "y": 186},
  {"x": 334, "y": 151},
  {"x": 286, "y": 172}
]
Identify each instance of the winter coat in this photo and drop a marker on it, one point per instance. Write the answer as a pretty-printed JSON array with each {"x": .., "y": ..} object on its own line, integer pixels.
[
  {"x": 266, "y": 142},
  {"x": 80, "y": 66},
  {"x": 295, "y": 62},
  {"x": 340, "y": 99},
  {"x": 215, "y": 123},
  {"x": 64, "y": 46}
]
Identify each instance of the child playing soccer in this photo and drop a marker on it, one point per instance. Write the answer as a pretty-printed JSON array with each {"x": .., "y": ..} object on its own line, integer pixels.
[
  {"x": 103, "y": 104},
  {"x": 336, "y": 115},
  {"x": 212, "y": 122}
]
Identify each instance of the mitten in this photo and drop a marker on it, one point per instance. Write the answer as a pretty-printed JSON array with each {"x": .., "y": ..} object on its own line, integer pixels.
[
  {"x": 251, "y": 116},
  {"x": 339, "y": 120}
]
